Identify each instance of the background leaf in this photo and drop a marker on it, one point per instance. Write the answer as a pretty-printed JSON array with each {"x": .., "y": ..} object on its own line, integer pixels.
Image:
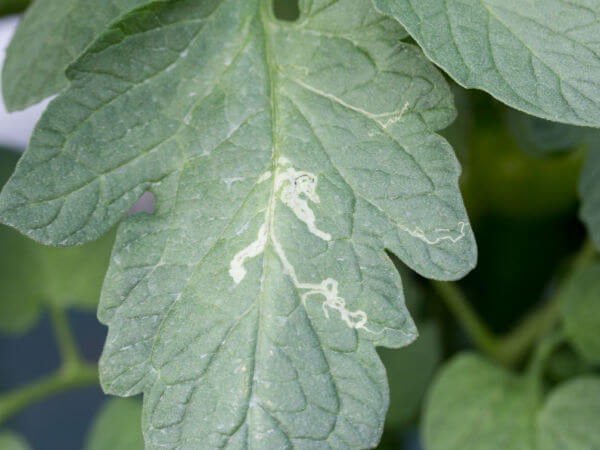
[
  {"x": 537, "y": 56},
  {"x": 476, "y": 404},
  {"x": 33, "y": 275},
  {"x": 12, "y": 6},
  {"x": 589, "y": 191},
  {"x": 540, "y": 137},
  {"x": 580, "y": 310},
  {"x": 547, "y": 143},
  {"x": 569, "y": 419},
  {"x": 118, "y": 426},
  {"x": 12, "y": 441},
  {"x": 51, "y": 35},
  {"x": 410, "y": 371}
]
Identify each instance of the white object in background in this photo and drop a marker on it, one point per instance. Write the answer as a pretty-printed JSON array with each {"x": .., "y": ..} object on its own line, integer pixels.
[{"x": 16, "y": 127}]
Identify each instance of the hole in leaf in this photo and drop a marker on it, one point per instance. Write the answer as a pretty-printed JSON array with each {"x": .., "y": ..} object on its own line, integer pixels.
[
  {"x": 287, "y": 10},
  {"x": 145, "y": 203}
]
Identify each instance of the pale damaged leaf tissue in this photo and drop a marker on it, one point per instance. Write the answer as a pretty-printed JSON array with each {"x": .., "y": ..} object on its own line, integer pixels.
[{"x": 285, "y": 158}]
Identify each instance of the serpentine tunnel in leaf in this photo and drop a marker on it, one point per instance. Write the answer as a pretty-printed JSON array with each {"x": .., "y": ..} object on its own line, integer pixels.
[{"x": 285, "y": 158}]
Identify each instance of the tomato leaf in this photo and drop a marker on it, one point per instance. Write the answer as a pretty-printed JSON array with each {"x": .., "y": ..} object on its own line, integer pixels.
[
  {"x": 33, "y": 275},
  {"x": 476, "y": 404},
  {"x": 12, "y": 441},
  {"x": 538, "y": 56},
  {"x": 284, "y": 159},
  {"x": 50, "y": 36},
  {"x": 589, "y": 191},
  {"x": 12, "y": 6},
  {"x": 117, "y": 426},
  {"x": 569, "y": 419},
  {"x": 410, "y": 370},
  {"x": 580, "y": 311}
]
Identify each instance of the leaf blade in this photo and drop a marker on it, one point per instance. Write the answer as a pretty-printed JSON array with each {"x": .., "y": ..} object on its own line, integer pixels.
[
  {"x": 50, "y": 36},
  {"x": 475, "y": 403},
  {"x": 533, "y": 56},
  {"x": 12, "y": 441},
  {"x": 117, "y": 426},
  {"x": 491, "y": 408},
  {"x": 589, "y": 192},
  {"x": 580, "y": 300},
  {"x": 287, "y": 318},
  {"x": 569, "y": 417},
  {"x": 34, "y": 276}
]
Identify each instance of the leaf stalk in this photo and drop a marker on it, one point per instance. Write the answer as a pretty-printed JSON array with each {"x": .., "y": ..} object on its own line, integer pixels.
[{"x": 509, "y": 349}]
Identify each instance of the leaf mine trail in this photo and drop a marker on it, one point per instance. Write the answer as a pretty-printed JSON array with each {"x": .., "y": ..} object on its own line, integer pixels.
[{"x": 295, "y": 189}]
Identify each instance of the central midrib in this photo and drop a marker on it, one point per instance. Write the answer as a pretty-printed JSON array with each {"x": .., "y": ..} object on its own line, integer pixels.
[{"x": 265, "y": 18}]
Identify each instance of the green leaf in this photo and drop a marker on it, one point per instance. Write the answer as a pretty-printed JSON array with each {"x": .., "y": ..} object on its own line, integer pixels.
[
  {"x": 73, "y": 277},
  {"x": 12, "y": 6},
  {"x": 540, "y": 137},
  {"x": 117, "y": 426},
  {"x": 569, "y": 419},
  {"x": 51, "y": 35},
  {"x": 538, "y": 56},
  {"x": 589, "y": 191},
  {"x": 32, "y": 275},
  {"x": 475, "y": 404},
  {"x": 284, "y": 158},
  {"x": 12, "y": 441},
  {"x": 410, "y": 371},
  {"x": 21, "y": 303},
  {"x": 580, "y": 311}
]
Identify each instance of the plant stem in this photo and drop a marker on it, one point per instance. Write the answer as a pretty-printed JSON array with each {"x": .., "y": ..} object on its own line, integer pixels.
[
  {"x": 72, "y": 377},
  {"x": 518, "y": 342},
  {"x": 74, "y": 372},
  {"x": 67, "y": 344},
  {"x": 541, "y": 355},
  {"x": 522, "y": 337},
  {"x": 483, "y": 338},
  {"x": 509, "y": 349}
]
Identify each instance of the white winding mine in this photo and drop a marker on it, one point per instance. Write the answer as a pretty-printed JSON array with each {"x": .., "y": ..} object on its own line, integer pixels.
[
  {"x": 419, "y": 234},
  {"x": 295, "y": 189},
  {"x": 237, "y": 269}
]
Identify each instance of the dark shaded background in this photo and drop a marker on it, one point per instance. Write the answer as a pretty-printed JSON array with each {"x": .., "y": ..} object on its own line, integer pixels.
[{"x": 62, "y": 422}]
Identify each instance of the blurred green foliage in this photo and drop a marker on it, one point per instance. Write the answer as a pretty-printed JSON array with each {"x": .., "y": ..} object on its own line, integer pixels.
[
  {"x": 13, "y": 6},
  {"x": 33, "y": 275},
  {"x": 117, "y": 426},
  {"x": 12, "y": 441},
  {"x": 580, "y": 310}
]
